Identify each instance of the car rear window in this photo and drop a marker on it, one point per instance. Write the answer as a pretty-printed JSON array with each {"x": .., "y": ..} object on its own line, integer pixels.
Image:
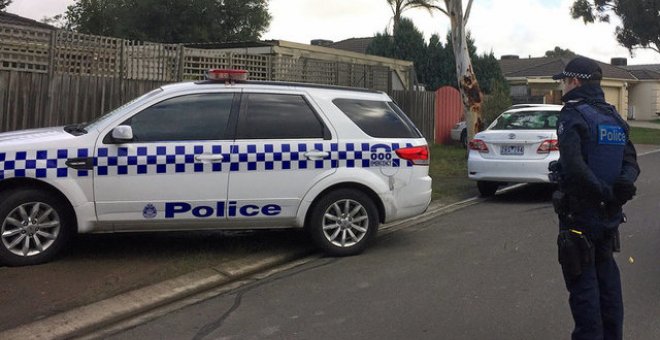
[
  {"x": 378, "y": 118},
  {"x": 526, "y": 120}
]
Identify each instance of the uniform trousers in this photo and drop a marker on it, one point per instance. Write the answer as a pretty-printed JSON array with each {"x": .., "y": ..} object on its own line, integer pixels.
[{"x": 595, "y": 295}]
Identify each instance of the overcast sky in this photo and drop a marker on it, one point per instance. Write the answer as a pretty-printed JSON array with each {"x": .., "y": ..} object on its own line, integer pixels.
[{"x": 524, "y": 27}]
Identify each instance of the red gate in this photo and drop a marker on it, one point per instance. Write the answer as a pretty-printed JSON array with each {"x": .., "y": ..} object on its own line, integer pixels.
[{"x": 448, "y": 112}]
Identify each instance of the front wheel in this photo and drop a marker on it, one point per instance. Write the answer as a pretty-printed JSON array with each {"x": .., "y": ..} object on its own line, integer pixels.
[
  {"x": 35, "y": 227},
  {"x": 487, "y": 188},
  {"x": 343, "y": 222}
]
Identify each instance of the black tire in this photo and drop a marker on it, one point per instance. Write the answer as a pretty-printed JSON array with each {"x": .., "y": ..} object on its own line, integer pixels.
[
  {"x": 35, "y": 226},
  {"x": 464, "y": 138},
  {"x": 487, "y": 188},
  {"x": 350, "y": 224}
]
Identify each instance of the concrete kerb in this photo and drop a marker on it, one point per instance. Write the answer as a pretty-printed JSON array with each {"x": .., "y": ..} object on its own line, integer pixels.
[{"x": 87, "y": 318}]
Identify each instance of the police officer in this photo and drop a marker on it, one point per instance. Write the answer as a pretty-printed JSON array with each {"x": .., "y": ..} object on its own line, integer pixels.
[{"x": 597, "y": 169}]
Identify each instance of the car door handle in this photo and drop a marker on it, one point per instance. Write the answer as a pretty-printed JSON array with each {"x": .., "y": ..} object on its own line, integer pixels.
[
  {"x": 207, "y": 158},
  {"x": 316, "y": 155}
]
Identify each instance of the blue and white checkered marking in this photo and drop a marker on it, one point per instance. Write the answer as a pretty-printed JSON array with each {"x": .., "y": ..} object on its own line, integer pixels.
[
  {"x": 41, "y": 163},
  {"x": 161, "y": 159},
  {"x": 173, "y": 158}
]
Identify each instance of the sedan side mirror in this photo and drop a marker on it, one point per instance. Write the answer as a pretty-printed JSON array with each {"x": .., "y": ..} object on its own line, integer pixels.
[{"x": 122, "y": 133}]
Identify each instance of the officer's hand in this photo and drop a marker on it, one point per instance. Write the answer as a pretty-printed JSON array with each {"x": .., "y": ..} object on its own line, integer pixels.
[{"x": 623, "y": 190}]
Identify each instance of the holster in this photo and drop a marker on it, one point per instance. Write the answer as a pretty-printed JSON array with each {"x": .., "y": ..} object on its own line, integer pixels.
[
  {"x": 576, "y": 252},
  {"x": 560, "y": 202},
  {"x": 616, "y": 241}
]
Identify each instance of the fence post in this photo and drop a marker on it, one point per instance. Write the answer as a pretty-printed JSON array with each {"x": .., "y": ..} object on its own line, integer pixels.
[
  {"x": 51, "y": 77},
  {"x": 181, "y": 63},
  {"x": 122, "y": 72}
]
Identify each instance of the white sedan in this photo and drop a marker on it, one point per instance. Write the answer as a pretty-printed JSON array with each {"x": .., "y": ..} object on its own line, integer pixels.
[
  {"x": 459, "y": 133},
  {"x": 515, "y": 148}
]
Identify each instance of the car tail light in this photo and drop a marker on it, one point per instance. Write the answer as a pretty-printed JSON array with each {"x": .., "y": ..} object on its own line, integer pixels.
[
  {"x": 478, "y": 145},
  {"x": 418, "y": 155},
  {"x": 548, "y": 145}
]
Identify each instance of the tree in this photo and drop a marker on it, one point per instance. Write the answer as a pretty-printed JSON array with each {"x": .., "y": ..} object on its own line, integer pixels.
[
  {"x": 467, "y": 80},
  {"x": 4, "y": 4},
  {"x": 559, "y": 52},
  {"x": 406, "y": 44},
  {"x": 434, "y": 63},
  {"x": 440, "y": 67},
  {"x": 400, "y": 6},
  {"x": 56, "y": 20},
  {"x": 640, "y": 20},
  {"x": 488, "y": 69},
  {"x": 498, "y": 100},
  {"x": 171, "y": 21}
]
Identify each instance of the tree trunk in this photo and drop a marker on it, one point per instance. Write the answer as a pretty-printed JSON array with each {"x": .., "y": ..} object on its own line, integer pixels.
[{"x": 467, "y": 81}]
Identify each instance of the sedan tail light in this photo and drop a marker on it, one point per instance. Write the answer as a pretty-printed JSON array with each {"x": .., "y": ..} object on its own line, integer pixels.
[
  {"x": 548, "y": 145},
  {"x": 418, "y": 155},
  {"x": 478, "y": 145}
]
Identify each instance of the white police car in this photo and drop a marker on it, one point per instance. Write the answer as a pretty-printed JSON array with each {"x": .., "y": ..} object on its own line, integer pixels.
[{"x": 220, "y": 153}]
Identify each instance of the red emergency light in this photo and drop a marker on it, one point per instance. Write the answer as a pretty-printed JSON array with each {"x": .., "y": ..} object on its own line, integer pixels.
[{"x": 226, "y": 75}]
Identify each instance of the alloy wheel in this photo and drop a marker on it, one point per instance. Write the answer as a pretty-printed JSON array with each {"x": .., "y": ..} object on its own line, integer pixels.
[
  {"x": 30, "y": 229},
  {"x": 345, "y": 223}
]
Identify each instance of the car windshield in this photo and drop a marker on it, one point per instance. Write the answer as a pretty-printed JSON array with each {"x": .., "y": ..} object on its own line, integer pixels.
[
  {"x": 526, "y": 120},
  {"x": 93, "y": 124}
]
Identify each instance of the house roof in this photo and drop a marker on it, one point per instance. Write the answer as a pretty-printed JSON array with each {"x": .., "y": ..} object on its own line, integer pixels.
[
  {"x": 13, "y": 19},
  {"x": 358, "y": 45},
  {"x": 548, "y": 66},
  {"x": 651, "y": 67},
  {"x": 644, "y": 72}
]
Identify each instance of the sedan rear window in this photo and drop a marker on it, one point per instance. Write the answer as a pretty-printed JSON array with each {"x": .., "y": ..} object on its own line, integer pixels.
[{"x": 526, "y": 120}]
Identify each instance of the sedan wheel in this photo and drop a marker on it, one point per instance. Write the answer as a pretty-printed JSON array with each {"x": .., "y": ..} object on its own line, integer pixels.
[
  {"x": 34, "y": 227},
  {"x": 487, "y": 188},
  {"x": 343, "y": 222}
]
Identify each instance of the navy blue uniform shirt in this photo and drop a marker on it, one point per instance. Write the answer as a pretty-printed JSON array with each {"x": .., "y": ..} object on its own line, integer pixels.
[{"x": 579, "y": 181}]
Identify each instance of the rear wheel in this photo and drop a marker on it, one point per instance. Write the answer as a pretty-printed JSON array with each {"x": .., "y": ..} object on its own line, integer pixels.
[
  {"x": 35, "y": 227},
  {"x": 464, "y": 138},
  {"x": 343, "y": 222},
  {"x": 487, "y": 188}
]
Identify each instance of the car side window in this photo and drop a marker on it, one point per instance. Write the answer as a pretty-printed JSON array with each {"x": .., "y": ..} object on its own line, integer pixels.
[
  {"x": 277, "y": 116},
  {"x": 378, "y": 118},
  {"x": 190, "y": 117}
]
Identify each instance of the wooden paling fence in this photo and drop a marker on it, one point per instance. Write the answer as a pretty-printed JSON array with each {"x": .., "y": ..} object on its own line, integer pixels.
[
  {"x": 420, "y": 107},
  {"x": 57, "y": 77},
  {"x": 33, "y": 100}
]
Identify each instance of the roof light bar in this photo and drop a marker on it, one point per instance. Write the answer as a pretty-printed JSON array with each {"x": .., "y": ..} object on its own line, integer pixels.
[{"x": 226, "y": 75}]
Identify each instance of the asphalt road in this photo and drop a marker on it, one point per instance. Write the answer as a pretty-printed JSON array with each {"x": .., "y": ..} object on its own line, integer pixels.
[
  {"x": 488, "y": 271},
  {"x": 97, "y": 267}
]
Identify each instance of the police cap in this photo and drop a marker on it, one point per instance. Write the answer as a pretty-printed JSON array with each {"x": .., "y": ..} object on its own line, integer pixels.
[{"x": 581, "y": 68}]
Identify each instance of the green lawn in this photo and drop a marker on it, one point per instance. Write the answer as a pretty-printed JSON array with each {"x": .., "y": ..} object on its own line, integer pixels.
[
  {"x": 645, "y": 136},
  {"x": 449, "y": 172}
]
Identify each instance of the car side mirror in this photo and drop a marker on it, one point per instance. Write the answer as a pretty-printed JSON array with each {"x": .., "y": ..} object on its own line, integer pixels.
[{"x": 122, "y": 133}]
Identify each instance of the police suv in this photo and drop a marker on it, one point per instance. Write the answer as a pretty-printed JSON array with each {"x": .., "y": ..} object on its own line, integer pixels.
[{"x": 221, "y": 153}]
